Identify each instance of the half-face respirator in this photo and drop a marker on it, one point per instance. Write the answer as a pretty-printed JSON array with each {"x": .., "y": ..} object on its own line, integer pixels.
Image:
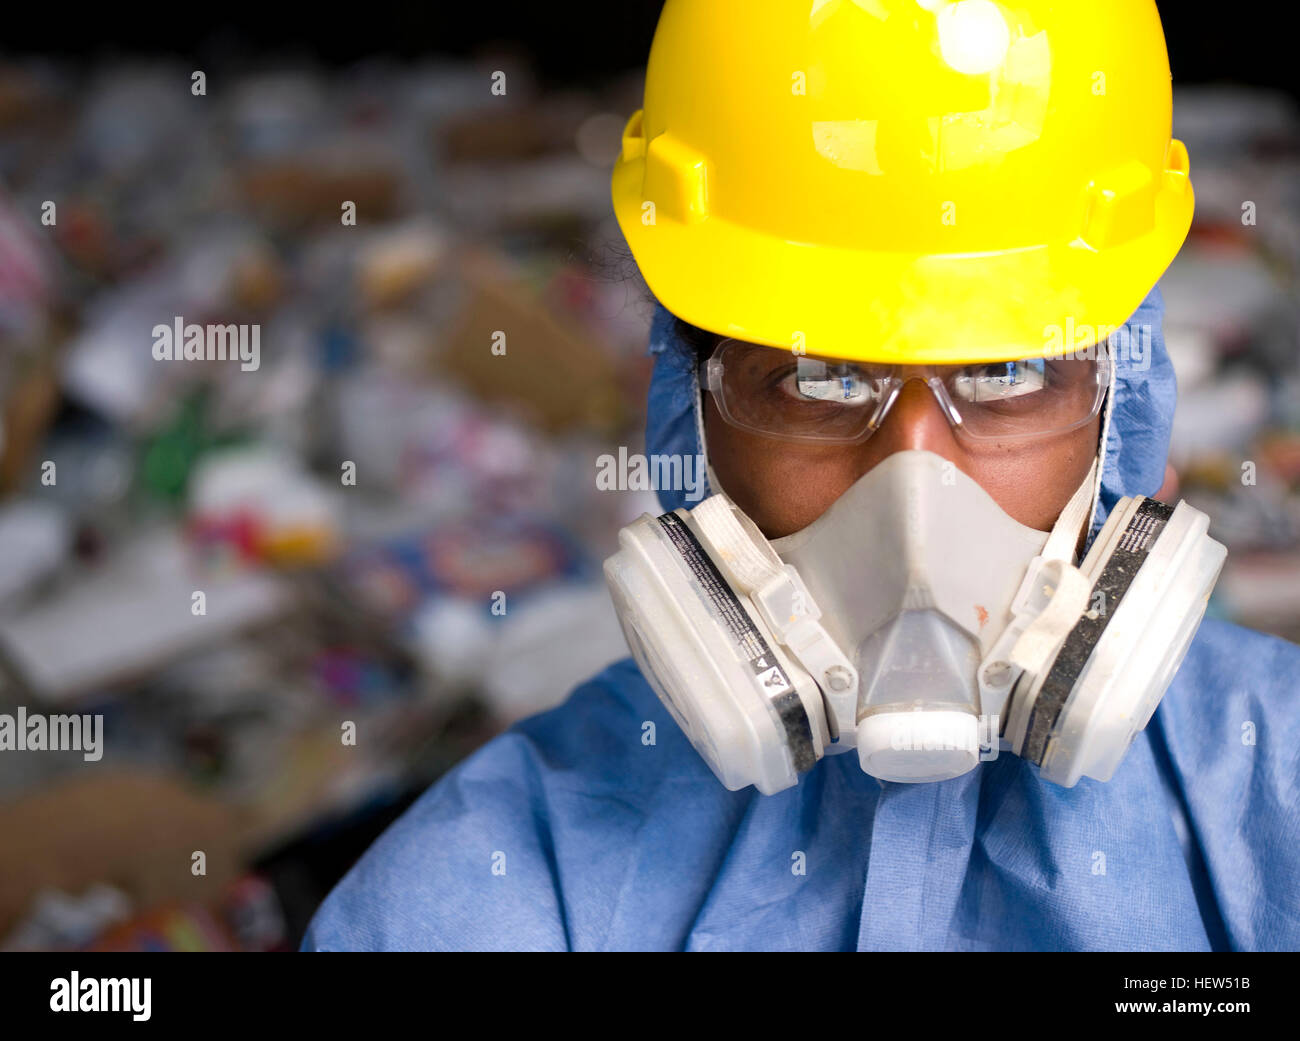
[{"x": 916, "y": 622}]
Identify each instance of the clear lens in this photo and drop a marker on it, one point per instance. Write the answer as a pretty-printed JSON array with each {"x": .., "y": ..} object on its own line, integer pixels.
[
  {"x": 783, "y": 395},
  {"x": 998, "y": 381},
  {"x": 814, "y": 380},
  {"x": 780, "y": 394},
  {"x": 1026, "y": 398}
]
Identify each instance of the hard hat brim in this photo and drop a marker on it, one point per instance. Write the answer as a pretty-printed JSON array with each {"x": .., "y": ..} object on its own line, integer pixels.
[{"x": 900, "y": 308}]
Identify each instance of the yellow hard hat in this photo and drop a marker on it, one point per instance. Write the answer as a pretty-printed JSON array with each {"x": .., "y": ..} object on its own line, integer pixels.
[{"x": 909, "y": 181}]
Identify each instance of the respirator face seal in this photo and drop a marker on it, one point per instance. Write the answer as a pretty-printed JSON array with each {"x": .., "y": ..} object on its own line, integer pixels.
[{"x": 915, "y": 623}]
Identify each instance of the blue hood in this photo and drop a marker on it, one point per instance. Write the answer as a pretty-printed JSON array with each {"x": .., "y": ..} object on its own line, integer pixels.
[{"x": 1140, "y": 413}]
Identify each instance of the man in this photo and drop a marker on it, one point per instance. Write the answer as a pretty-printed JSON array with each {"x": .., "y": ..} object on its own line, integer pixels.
[{"x": 866, "y": 224}]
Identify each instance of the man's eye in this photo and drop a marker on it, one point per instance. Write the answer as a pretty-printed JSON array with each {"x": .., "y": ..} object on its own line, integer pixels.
[
  {"x": 997, "y": 381},
  {"x": 818, "y": 381}
]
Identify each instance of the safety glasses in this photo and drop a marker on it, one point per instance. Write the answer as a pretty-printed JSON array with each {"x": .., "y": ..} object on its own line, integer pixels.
[{"x": 779, "y": 394}]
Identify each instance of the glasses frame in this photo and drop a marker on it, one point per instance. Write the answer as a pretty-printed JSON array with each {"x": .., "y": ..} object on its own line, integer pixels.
[{"x": 710, "y": 377}]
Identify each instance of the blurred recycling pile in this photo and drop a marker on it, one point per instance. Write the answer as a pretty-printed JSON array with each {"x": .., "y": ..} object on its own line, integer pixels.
[
  {"x": 393, "y": 519},
  {"x": 1232, "y": 326}
]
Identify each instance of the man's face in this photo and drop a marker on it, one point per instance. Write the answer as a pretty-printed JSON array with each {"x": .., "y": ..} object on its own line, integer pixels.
[{"x": 785, "y": 486}]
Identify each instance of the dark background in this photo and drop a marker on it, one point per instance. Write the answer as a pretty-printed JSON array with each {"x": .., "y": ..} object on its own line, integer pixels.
[{"x": 579, "y": 41}]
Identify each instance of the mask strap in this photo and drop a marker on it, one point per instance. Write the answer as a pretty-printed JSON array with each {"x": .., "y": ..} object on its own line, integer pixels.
[
  {"x": 1061, "y": 542},
  {"x": 713, "y": 487},
  {"x": 1101, "y": 452},
  {"x": 1054, "y": 592}
]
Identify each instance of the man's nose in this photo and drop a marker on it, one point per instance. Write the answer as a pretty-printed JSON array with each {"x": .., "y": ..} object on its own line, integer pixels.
[{"x": 916, "y": 421}]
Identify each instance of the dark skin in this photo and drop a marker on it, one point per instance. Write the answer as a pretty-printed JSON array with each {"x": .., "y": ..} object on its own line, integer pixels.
[{"x": 784, "y": 487}]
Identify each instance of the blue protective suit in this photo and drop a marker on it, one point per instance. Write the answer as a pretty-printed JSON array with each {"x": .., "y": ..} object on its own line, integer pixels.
[{"x": 569, "y": 832}]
